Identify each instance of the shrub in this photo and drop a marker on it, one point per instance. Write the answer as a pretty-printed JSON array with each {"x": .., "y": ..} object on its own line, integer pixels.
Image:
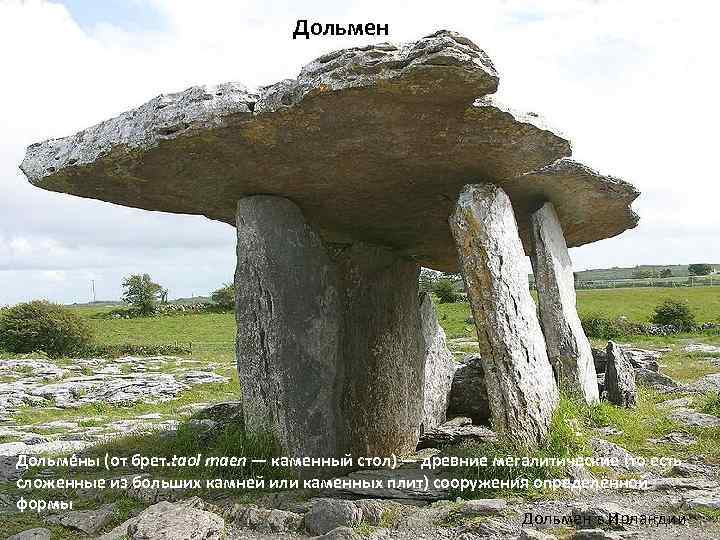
[
  {"x": 675, "y": 313},
  {"x": 43, "y": 326},
  {"x": 445, "y": 291},
  {"x": 600, "y": 326},
  {"x": 224, "y": 297}
]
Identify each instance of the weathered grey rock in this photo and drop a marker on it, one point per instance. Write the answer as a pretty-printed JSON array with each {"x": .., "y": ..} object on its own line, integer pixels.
[
  {"x": 676, "y": 437},
  {"x": 455, "y": 431},
  {"x": 489, "y": 528},
  {"x": 340, "y": 533},
  {"x": 375, "y": 511},
  {"x": 412, "y": 476},
  {"x": 680, "y": 484},
  {"x": 519, "y": 380},
  {"x": 619, "y": 377},
  {"x": 289, "y": 327},
  {"x": 693, "y": 418},
  {"x": 677, "y": 403},
  {"x": 328, "y": 514},
  {"x": 701, "y": 348},
  {"x": 643, "y": 358},
  {"x": 341, "y": 141},
  {"x": 699, "y": 500},
  {"x": 601, "y": 515},
  {"x": 32, "y": 534},
  {"x": 480, "y": 507},
  {"x": 707, "y": 383},
  {"x": 600, "y": 360},
  {"x": 227, "y": 412},
  {"x": 599, "y": 534},
  {"x": 568, "y": 347},
  {"x": 166, "y": 520},
  {"x": 382, "y": 393},
  {"x": 268, "y": 520},
  {"x": 533, "y": 534},
  {"x": 439, "y": 366},
  {"x": 87, "y": 521},
  {"x": 653, "y": 379},
  {"x": 468, "y": 394},
  {"x": 625, "y": 460},
  {"x": 120, "y": 532}
]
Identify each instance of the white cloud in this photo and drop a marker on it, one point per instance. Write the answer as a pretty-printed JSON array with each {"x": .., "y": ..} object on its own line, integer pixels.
[{"x": 632, "y": 83}]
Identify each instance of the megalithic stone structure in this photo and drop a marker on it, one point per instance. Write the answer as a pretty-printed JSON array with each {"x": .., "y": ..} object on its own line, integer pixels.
[
  {"x": 345, "y": 177},
  {"x": 568, "y": 347},
  {"x": 329, "y": 342},
  {"x": 520, "y": 383}
]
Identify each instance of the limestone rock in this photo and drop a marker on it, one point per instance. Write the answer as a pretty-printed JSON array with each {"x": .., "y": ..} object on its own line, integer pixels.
[
  {"x": 601, "y": 515},
  {"x": 693, "y": 418},
  {"x": 518, "y": 377},
  {"x": 268, "y": 521},
  {"x": 439, "y": 366},
  {"x": 568, "y": 347},
  {"x": 32, "y": 534},
  {"x": 489, "y": 528},
  {"x": 455, "y": 431},
  {"x": 328, "y": 514},
  {"x": 626, "y": 461},
  {"x": 654, "y": 379},
  {"x": 340, "y": 533},
  {"x": 599, "y": 534},
  {"x": 533, "y": 534},
  {"x": 702, "y": 500},
  {"x": 87, "y": 521},
  {"x": 411, "y": 475},
  {"x": 600, "y": 360},
  {"x": 119, "y": 532},
  {"x": 227, "y": 412},
  {"x": 468, "y": 394},
  {"x": 619, "y": 378},
  {"x": 177, "y": 521},
  {"x": 341, "y": 141},
  {"x": 480, "y": 507},
  {"x": 289, "y": 326},
  {"x": 707, "y": 383},
  {"x": 643, "y": 358}
]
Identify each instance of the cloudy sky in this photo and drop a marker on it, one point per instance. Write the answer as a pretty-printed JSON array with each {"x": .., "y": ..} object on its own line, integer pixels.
[{"x": 633, "y": 83}]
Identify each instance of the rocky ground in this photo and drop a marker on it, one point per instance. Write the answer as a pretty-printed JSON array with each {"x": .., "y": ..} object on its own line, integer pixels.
[{"x": 65, "y": 406}]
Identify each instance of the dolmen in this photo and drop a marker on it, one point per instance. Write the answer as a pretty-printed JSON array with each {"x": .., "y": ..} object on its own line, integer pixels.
[{"x": 342, "y": 183}]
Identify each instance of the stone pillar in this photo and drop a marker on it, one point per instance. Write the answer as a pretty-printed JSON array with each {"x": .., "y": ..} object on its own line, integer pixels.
[
  {"x": 439, "y": 366},
  {"x": 289, "y": 323},
  {"x": 568, "y": 347},
  {"x": 520, "y": 383},
  {"x": 329, "y": 342},
  {"x": 382, "y": 351}
]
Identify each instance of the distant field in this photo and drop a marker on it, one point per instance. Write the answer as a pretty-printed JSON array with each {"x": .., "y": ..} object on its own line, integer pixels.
[
  {"x": 214, "y": 333},
  {"x": 678, "y": 270}
]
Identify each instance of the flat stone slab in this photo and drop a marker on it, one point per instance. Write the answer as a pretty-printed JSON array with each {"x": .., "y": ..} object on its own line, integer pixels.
[{"x": 372, "y": 143}]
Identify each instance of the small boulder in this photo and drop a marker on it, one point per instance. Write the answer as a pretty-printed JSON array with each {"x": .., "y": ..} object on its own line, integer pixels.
[
  {"x": 455, "y": 431},
  {"x": 166, "y": 520},
  {"x": 626, "y": 461},
  {"x": 480, "y": 507},
  {"x": 534, "y": 534},
  {"x": 468, "y": 394},
  {"x": 268, "y": 521},
  {"x": 227, "y": 412},
  {"x": 653, "y": 379},
  {"x": 619, "y": 378},
  {"x": 693, "y": 418},
  {"x": 87, "y": 521},
  {"x": 340, "y": 533},
  {"x": 32, "y": 534},
  {"x": 328, "y": 514},
  {"x": 599, "y": 534},
  {"x": 643, "y": 358},
  {"x": 607, "y": 515}
]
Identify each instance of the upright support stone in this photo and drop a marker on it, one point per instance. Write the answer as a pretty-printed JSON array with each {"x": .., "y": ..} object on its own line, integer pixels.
[
  {"x": 289, "y": 327},
  {"x": 520, "y": 383},
  {"x": 439, "y": 366},
  {"x": 382, "y": 351},
  {"x": 568, "y": 347}
]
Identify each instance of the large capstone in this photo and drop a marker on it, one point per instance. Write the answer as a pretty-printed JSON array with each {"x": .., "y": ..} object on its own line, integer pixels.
[
  {"x": 439, "y": 366},
  {"x": 619, "y": 377},
  {"x": 329, "y": 344},
  {"x": 372, "y": 143},
  {"x": 568, "y": 347},
  {"x": 519, "y": 380}
]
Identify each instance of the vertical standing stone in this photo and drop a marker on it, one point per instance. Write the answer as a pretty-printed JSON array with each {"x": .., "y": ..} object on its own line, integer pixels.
[
  {"x": 520, "y": 383},
  {"x": 289, "y": 326},
  {"x": 439, "y": 366},
  {"x": 383, "y": 361},
  {"x": 568, "y": 347},
  {"x": 619, "y": 377}
]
